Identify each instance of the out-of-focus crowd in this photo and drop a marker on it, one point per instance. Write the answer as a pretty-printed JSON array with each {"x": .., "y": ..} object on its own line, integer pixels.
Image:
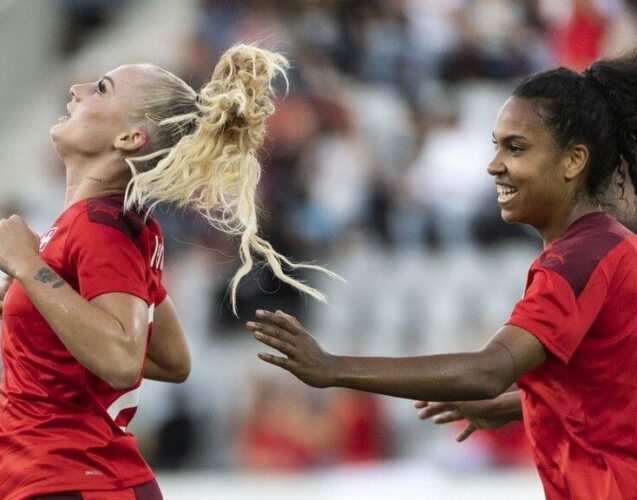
[
  {"x": 384, "y": 134},
  {"x": 375, "y": 165}
]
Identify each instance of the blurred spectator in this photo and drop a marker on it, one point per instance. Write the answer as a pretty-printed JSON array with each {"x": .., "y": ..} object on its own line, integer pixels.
[
  {"x": 621, "y": 34},
  {"x": 360, "y": 428},
  {"x": 336, "y": 176},
  {"x": 83, "y": 17},
  {"x": 448, "y": 179},
  {"x": 289, "y": 427},
  {"x": 578, "y": 41},
  {"x": 282, "y": 430},
  {"x": 487, "y": 45},
  {"x": 176, "y": 437}
]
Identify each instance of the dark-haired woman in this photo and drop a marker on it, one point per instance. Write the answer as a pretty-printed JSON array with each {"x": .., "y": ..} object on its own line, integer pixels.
[{"x": 571, "y": 342}]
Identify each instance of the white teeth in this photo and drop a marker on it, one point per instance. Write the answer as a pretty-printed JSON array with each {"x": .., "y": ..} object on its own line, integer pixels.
[
  {"x": 505, "y": 193},
  {"x": 506, "y": 190}
]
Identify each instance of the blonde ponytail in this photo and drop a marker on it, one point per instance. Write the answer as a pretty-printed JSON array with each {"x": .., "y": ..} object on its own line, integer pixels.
[{"x": 205, "y": 153}]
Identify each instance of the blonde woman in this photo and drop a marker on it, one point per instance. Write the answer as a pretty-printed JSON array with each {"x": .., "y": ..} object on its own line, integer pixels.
[{"x": 85, "y": 315}]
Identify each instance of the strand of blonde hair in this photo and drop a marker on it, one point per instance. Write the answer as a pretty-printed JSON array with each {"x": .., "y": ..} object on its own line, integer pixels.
[{"x": 215, "y": 170}]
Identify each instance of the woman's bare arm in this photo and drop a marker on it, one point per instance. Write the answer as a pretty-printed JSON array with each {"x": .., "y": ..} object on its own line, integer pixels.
[
  {"x": 448, "y": 377},
  {"x": 168, "y": 357},
  {"x": 107, "y": 335}
]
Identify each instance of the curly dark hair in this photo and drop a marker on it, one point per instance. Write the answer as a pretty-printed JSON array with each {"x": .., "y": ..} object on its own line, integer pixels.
[{"x": 597, "y": 108}]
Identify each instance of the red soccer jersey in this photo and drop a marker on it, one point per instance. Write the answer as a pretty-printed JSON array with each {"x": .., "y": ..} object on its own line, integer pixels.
[
  {"x": 580, "y": 407},
  {"x": 61, "y": 427}
]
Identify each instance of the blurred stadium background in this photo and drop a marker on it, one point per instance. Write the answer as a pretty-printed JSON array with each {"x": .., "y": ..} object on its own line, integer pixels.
[{"x": 374, "y": 166}]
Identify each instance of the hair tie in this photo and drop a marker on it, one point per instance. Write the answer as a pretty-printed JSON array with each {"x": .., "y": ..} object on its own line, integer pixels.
[{"x": 198, "y": 104}]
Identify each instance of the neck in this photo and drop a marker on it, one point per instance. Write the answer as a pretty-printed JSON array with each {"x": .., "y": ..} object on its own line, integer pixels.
[
  {"x": 560, "y": 223},
  {"x": 95, "y": 177}
]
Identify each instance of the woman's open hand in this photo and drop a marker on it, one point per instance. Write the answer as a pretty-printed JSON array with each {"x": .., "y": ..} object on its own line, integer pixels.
[
  {"x": 484, "y": 414},
  {"x": 304, "y": 356}
]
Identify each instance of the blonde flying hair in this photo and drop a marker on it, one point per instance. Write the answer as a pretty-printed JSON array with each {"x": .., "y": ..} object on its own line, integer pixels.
[{"x": 204, "y": 152}]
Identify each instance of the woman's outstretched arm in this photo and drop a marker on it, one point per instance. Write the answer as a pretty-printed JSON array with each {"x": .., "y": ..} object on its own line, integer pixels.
[{"x": 447, "y": 377}]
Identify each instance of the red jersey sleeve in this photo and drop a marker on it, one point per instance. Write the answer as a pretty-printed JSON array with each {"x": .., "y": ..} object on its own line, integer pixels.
[
  {"x": 158, "y": 292},
  {"x": 552, "y": 312},
  {"x": 105, "y": 260}
]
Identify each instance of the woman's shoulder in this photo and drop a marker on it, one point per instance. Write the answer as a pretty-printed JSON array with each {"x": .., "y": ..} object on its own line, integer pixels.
[
  {"x": 95, "y": 213},
  {"x": 579, "y": 252}
]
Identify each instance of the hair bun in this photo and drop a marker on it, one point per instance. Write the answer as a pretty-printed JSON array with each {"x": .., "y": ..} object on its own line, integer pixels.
[{"x": 215, "y": 169}]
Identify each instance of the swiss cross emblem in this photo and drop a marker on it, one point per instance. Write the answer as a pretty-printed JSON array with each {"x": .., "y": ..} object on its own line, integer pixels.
[{"x": 47, "y": 237}]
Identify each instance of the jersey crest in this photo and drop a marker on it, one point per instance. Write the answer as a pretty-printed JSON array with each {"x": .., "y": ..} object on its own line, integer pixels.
[{"x": 44, "y": 241}]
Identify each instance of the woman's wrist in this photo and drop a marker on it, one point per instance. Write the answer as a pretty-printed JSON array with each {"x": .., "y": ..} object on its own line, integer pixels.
[
  {"x": 336, "y": 371},
  {"x": 28, "y": 268},
  {"x": 509, "y": 406}
]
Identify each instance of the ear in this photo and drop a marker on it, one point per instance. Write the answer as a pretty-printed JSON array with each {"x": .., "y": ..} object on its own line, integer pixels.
[
  {"x": 575, "y": 161},
  {"x": 132, "y": 140}
]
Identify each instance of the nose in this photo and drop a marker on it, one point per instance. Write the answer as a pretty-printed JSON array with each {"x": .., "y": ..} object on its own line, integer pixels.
[
  {"x": 495, "y": 166},
  {"x": 75, "y": 90}
]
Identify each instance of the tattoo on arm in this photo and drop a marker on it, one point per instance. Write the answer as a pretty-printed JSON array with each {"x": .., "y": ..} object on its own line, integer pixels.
[{"x": 46, "y": 275}]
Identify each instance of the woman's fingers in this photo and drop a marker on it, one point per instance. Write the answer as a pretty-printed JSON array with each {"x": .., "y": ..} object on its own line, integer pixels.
[
  {"x": 271, "y": 340},
  {"x": 284, "y": 363},
  {"x": 272, "y": 331},
  {"x": 466, "y": 432},
  {"x": 283, "y": 321},
  {"x": 432, "y": 409},
  {"x": 292, "y": 319},
  {"x": 447, "y": 416}
]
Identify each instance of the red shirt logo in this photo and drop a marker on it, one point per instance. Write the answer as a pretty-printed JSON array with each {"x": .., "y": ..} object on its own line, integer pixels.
[{"x": 44, "y": 241}]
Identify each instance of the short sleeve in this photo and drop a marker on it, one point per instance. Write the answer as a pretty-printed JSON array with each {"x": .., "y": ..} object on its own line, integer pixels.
[
  {"x": 158, "y": 292},
  {"x": 551, "y": 311},
  {"x": 106, "y": 260}
]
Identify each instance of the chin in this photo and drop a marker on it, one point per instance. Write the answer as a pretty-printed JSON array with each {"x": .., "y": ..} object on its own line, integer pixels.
[
  {"x": 508, "y": 216},
  {"x": 55, "y": 139},
  {"x": 56, "y": 131}
]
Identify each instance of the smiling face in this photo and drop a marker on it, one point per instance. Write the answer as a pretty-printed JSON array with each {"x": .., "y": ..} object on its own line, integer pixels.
[
  {"x": 100, "y": 112},
  {"x": 529, "y": 166}
]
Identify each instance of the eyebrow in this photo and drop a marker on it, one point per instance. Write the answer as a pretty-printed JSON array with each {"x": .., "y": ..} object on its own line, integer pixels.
[
  {"x": 511, "y": 137},
  {"x": 110, "y": 80}
]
